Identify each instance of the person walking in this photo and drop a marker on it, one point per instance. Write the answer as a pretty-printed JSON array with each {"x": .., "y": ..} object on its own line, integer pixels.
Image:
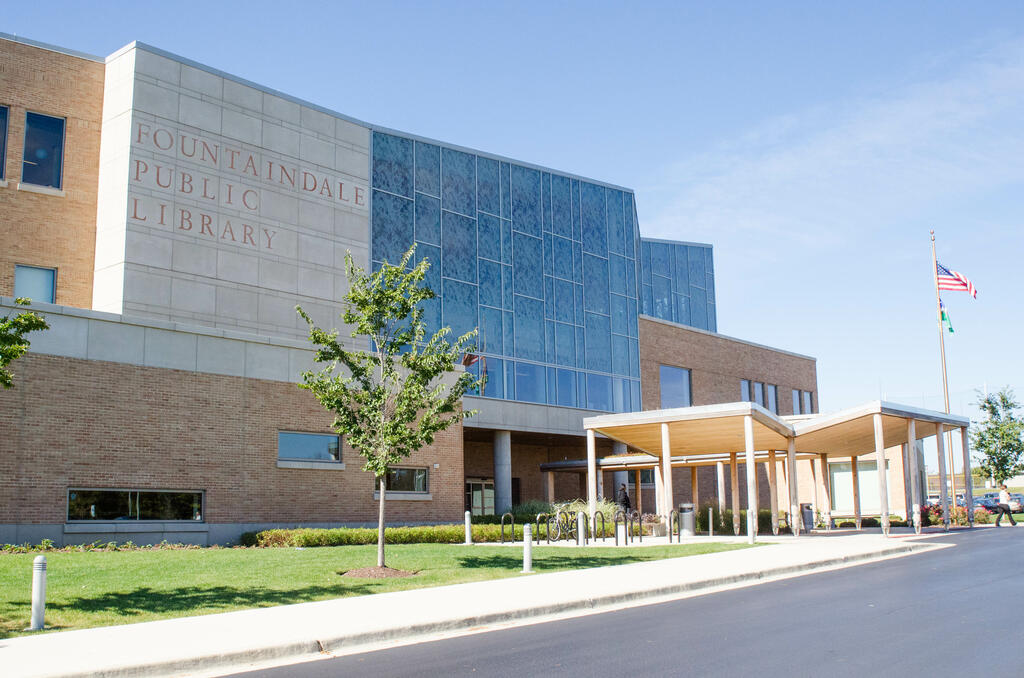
[
  {"x": 1003, "y": 507},
  {"x": 623, "y": 498}
]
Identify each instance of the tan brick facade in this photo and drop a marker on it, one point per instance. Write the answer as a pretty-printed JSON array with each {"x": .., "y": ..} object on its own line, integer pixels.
[
  {"x": 92, "y": 424},
  {"x": 52, "y": 231}
]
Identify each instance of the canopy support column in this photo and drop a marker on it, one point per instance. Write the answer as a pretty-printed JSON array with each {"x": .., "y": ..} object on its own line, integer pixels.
[
  {"x": 720, "y": 477},
  {"x": 591, "y": 473},
  {"x": 855, "y": 473},
  {"x": 751, "y": 470},
  {"x": 551, "y": 487},
  {"x": 773, "y": 487},
  {"x": 968, "y": 480},
  {"x": 734, "y": 487},
  {"x": 639, "y": 495},
  {"x": 915, "y": 476},
  {"x": 694, "y": 488},
  {"x": 666, "y": 470},
  {"x": 883, "y": 480},
  {"x": 795, "y": 519},
  {"x": 907, "y": 499},
  {"x": 940, "y": 443},
  {"x": 826, "y": 492}
]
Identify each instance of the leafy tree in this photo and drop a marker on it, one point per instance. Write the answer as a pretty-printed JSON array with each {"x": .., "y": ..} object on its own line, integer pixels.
[
  {"x": 1000, "y": 437},
  {"x": 13, "y": 343},
  {"x": 390, "y": 400}
]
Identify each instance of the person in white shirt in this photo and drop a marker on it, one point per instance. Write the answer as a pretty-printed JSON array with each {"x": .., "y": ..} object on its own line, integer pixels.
[{"x": 1003, "y": 507}]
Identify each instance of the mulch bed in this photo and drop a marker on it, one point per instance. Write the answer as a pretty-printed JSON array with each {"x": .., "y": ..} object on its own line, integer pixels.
[{"x": 376, "y": 573}]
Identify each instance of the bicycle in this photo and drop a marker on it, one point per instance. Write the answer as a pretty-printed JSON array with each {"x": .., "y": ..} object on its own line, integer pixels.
[{"x": 563, "y": 526}]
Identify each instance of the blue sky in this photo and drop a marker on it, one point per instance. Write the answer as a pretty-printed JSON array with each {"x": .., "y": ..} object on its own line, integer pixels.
[{"x": 814, "y": 144}]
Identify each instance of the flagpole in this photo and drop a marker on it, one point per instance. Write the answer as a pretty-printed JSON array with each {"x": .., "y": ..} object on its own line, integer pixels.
[{"x": 942, "y": 352}]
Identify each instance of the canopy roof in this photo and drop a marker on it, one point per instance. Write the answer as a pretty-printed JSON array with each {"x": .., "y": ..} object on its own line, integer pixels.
[{"x": 705, "y": 432}]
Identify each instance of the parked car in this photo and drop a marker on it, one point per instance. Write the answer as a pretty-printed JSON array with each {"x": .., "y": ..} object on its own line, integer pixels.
[
  {"x": 1017, "y": 503},
  {"x": 987, "y": 503}
]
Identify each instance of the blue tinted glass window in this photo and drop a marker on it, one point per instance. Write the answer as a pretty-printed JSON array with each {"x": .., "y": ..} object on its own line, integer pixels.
[
  {"x": 526, "y": 200},
  {"x": 529, "y": 328},
  {"x": 428, "y": 169},
  {"x": 491, "y": 335},
  {"x": 549, "y": 341},
  {"x": 620, "y": 354},
  {"x": 545, "y": 191},
  {"x": 695, "y": 262},
  {"x": 506, "y": 192},
  {"x": 566, "y": 388},
  {"x": 574, "y": 190},
  {"x": 595, "y": 227},
  {"x": 432, "y": 314},
  {"x": 392, "y": 227},
  {"x": 309, "y": 446},
  {"x": 493, "y": 369},
  {"x": 458, "y": 181},
  {"x": 634, "y": 388},
  {"x": 506, "y": 328},
  {"x": 548, "y": 269},
  {"x": 627, "y": 204},
  {"x": 617, "y": 270},
  {"x": 599, "y": 346},
  {"x": 489, "y": 236},
  {"x": 634, "y": 358},
  {"x": 3, "y": 142},
  {"x": 577, "y": 293},
  {"x": 459, "y": 307},
  {"x": 631, "y": 319},
  {"x": 616, "y": 224},
  {"x": 680, "y": 271},
  {"x": 675, "y": 386},
  {"x": 645, "y": 262},
  {"x": 577, "y": 263},
  {"x": 709, "y": 287},
  {"x": 630, "y": 278},
  {"x": 530, "y": 383},
  {"x": 663, "y": 298},
  {"x": 647, "y": 300},
  {"x": 581, "y": 353},
  {"x": 528, "y": 269},
  {"x": 620, "y": 315},
  {"x": 490, "y": 283},
  {"x": 488, "y": 186},
  {"x": 661, "y": 259},
  {"x": 698, "y": 308},
  {"x": 458, "y": 244},
  {"x": 595, "y": 283},
  {"x": 552, "y": 394},
  {"x": 562, "y": 257},
  {"x": 506, "y": 242},
  {"x": 37, "y": 284},
  {"x": 506, "y": 287},
  {"x": 712, "y": 319},
  {"x": 428, "y": 219},
  {"x": 561, "y": 207},
  {"x": 682, "y": 309},
  {"x": 621, "y": 401},
  {"x": 581, "y": 389},
  {"x": 43, "y": 158},
  {"x": 563, "y": 301},
  {"x": 599, "y": 392},
  {"x": 392, "y": 164},
  {"x": 433, "y": 256},
  {"x": 565, "y": 344},
  {"x": 549, "y": 297}
]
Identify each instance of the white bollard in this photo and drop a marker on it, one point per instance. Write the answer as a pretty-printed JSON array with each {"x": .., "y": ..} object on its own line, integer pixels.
[
  {"x": 581, "y": 528},
  {"x": 38, "y": 593},
  {"x": 469, "y": 528},
  {"x": 711, "y": 522},
  {"x": 751, "y": 525},
  {"x": 527, "y": 548}
]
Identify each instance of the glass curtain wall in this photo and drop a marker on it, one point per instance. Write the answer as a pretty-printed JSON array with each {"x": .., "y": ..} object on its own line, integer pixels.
[
  {"x": 678, "y": 283},
  {"x": 543, "y": 263}
]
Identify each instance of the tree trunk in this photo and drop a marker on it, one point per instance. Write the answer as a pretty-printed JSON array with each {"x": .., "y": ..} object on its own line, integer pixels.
[{"x": 380, "y": 525}]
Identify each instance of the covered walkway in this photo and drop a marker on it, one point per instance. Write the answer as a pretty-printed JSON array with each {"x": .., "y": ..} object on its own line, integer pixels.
[{"x": 712, "y": 434}]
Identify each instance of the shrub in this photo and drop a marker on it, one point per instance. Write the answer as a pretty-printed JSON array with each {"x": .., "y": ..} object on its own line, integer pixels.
[
  {"x": 723, "y": 520},
  {"x": 847, "y": 523},
  {"x": 982, "y": 517}
]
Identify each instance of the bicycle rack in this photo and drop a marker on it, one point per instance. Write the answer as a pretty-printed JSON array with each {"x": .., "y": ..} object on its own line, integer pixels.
[
  {"x": 560, "y": 522},
  {"x": 513, "y": 519},
  {"x": 546, "y": 517},
  {"x": 615, "y": 526},
  {"x": 594, "y": 531},
  {"x": 679, "y": 525},
  {"x": 551, "y": 519}
]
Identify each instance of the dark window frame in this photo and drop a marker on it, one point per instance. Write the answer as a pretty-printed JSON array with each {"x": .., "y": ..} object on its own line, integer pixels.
[
  {"x": 339, "y": 460},
  {"x": 52, "y": 269},
  {"x": 201, "y": 518},
  {"x": 3, "y": 141},
  {"x": 63, "y": 146},
  {"x": 426, "y": 479}
]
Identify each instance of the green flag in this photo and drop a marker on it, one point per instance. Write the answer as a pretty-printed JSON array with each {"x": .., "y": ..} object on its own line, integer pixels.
[{"x": 945, "y": 317}]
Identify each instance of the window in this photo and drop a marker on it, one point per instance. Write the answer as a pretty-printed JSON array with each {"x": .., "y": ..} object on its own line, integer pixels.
[
  {"x": 771, "y": 401},
  {"x": 3, "y": 142},
  {"x": 646, "y": 478},
  {"x": 796, "y": 401},
  {"x": 43, "y": 159},
  {"x": 802, "y": 402},
  {"x": 134, "y": 505},
  {"x": 38, "y": 284},
  {"x": 758, "y": 393},
  {"x": 675, "y": 387},
  {"x": 408, "y": 480},
  {"x": 745, "y": 390},
  {"x": 309, "y": 446},
  {"x": 480, "y": 497},
  {"x": 808, "y": 405}
]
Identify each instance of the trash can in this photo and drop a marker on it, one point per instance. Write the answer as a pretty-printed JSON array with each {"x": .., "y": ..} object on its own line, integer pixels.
[
  {"x": 687, "y": 521},
  {"x": 807, "y": 516}
]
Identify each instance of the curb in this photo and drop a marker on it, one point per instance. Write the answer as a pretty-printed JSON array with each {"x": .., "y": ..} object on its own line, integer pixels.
[{"x": 304, "y": 649}]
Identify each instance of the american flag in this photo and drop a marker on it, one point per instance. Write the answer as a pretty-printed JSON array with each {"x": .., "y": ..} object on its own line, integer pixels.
[{"x": 951, "y": 280}]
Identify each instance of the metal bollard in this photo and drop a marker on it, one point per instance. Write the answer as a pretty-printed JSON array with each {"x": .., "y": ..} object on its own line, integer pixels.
[
  {"x": 711, "y": 521},
  {"x": 527, "y": 548},
  {"x": 38, "y": 593},
  {"x": 581, "y": 528},
  {"x": 469, "y": 529}
]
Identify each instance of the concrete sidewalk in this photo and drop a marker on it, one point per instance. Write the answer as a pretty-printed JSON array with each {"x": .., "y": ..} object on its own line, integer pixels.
[{"x": 307, "y": 630}]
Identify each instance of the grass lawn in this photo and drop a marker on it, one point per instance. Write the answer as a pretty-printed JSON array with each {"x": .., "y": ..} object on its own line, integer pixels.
[{"x": 121, "y": 587}]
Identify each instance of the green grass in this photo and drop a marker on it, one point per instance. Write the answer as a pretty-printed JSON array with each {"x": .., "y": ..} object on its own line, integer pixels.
[{"x": 121, "y": 587}]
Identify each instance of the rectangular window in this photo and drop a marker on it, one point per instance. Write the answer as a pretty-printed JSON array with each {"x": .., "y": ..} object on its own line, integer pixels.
[
  {"x": 745, "y": 390},
  {"x": 480, "y": 497},
  {"x": 3, "y": 142},
  {"x": 43, "y": 160},
  {"x": 308, "y": 446},
  {"x": 407, "y": 480},
  {"x": 771, "y": 401},
  {"x": 134, "y": 505},
  {"x": 35, "y": 283},
  {"x": 759, "y": 393},
  {"x": 796, "y": 401},
  {"x": 808, "y": 405},
  {"x": 675, "y": 387}
]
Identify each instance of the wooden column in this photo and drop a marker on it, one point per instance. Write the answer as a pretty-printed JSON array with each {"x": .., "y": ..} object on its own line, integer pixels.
[
  {"x": 591, "y": 473},
  {"x": 639, "y": 495},
  {"x": 734, "y": 483},
  {"x": 883, "y": 480},
  {"x": 968, "y": 480},
  {"x": 551, "y": 487},
  {"x": 772, "y": 488},
  {"x": 855, "y": 472},
  {"x": 940, "y": 443},
  {"x": 795, "y": 518},
  {"x": 694, "y": 488},
  {"x": 751, "y": 470},
  {"x": 826, "y": 492}
]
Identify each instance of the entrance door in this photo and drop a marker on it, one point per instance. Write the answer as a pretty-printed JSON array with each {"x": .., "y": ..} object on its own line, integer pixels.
[{"x": 480, "y": 497}]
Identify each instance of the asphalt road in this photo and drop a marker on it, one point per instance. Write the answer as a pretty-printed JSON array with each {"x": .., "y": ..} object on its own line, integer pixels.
[{"x": 957, "y": 611}]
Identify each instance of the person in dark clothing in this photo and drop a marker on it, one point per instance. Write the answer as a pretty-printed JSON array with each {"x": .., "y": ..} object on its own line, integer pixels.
[
  {"x": 1003, "y": 507},
  {"x": 623, "y": 498}
]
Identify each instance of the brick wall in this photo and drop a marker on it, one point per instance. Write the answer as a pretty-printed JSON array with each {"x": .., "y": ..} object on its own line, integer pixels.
[
  {"x": 48, "y": 230},
  {"x": 86, "y": 423}
]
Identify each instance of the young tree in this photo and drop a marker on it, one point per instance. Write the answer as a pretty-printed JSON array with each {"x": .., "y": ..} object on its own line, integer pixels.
[
  {"x": 1000, "y": 437},
  {"x": 13, "y": 343},
  {"x": 389, "y": 400}
]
